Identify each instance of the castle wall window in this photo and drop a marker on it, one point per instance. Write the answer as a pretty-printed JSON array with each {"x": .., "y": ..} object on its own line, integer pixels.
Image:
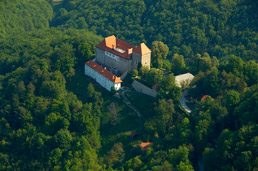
[{"x": 112, "y": 56}]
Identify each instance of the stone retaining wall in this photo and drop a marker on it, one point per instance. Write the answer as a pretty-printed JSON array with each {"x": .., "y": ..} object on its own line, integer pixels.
[{"x": 144, "y": 89}]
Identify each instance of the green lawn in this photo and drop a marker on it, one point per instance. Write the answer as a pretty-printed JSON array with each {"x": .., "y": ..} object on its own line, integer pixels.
[
  {"x": 143, "y": 103},
  {"x": 112, "y": 134}
]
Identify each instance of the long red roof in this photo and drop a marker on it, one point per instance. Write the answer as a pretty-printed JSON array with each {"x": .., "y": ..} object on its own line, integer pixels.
[{"x": 98, "y": 68}]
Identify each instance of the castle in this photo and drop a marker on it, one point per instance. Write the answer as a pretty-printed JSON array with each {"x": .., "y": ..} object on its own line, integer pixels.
[
  {"x": 114, "y": 58},
  {"x": 118, "y": 55}
]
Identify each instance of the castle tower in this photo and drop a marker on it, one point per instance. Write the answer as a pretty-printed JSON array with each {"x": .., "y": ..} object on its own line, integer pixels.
[{"x": 141, "y": 56}]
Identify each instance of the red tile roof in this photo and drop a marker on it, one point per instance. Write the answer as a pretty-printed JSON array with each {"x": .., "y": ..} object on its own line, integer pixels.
[
  {"x": 110, "y": 43},
  {"x": 144, "y": 145},
  {"x": 103, "y": 72},
  {"x": 204, "y": 97},
  {"x": 155, "y": 87},
  {"x": 142, "y": 49}
]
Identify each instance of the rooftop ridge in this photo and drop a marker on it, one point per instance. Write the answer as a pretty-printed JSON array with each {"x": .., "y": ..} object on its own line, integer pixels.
[
  {"x": 105, "y": 73},
  {"x": 121, "y": 48},
  {"x": 142, "y": 49}
]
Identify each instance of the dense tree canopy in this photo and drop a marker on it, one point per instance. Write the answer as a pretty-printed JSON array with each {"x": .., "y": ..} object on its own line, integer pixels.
[
  {"x": 188, "y": 27},
  {"x": 159, "y": 53},
  {"x": 53, "y": 117},
  {"x": 17, "y": 16},
  {"x": 38, "y": 112}
]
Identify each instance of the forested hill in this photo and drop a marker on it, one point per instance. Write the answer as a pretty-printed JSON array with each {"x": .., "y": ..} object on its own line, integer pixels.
[
  {"x": 54, "y": 117},
  {"x": 26, "y": 15},
  {"x": 187, "y": 27}
]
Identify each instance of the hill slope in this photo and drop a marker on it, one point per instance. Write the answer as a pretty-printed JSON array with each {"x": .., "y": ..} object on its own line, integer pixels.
[
  {"x": 17, "y": 16},
  {"x": 188, "y": 27}
]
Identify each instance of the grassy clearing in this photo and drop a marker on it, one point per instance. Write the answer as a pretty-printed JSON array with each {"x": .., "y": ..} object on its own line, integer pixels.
[
  {"x": 110, "y": 134},
  {"x": 129, "y": 122},
  {"x": 79, "y": 84},
  {"x": 144, "y": 103}
]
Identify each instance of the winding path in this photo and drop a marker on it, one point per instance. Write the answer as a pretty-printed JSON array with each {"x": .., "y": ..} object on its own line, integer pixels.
[
  {"x": 183, "y": 101},
  {"x": 128, "y": 103}
]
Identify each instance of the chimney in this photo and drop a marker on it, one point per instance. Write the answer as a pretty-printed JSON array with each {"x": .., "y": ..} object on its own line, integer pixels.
[
  {"x": 113, "y": 77},
  {"x": 130, "y": 50}
]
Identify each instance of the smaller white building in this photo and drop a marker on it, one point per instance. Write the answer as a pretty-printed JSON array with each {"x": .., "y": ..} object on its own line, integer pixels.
[
  {"x": 105, "y": 78},
  {"x": 184, "y": 80}
]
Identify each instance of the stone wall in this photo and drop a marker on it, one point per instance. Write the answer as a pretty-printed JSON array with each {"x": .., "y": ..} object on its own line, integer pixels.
[
  {"x": 123, "y": 75},
  {"x": 144, "y": 89},
  {"x": 136, "y": 60},
  {"x": 146, "y": 60},
  {"x": 111, "y": 61}
]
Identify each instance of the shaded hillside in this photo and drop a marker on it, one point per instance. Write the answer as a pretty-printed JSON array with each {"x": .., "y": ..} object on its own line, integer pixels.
[
  {"x": 122, "y": 18},
  {"x": 43, "y": 125}
]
